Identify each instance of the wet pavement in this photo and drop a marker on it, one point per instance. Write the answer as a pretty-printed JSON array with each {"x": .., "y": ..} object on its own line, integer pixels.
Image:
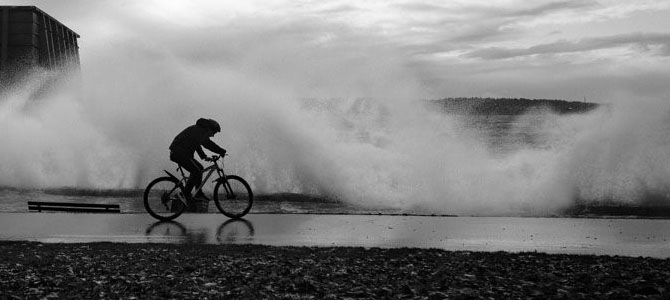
[{"x": 627, "y": 237}]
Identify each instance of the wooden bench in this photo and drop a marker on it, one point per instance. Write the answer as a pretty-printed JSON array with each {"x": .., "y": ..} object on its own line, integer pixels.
[{"x": 73, "y": 207}]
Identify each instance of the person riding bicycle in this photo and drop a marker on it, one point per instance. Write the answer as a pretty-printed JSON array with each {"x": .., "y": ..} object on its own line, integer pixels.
[{"x": 189, "y": 141}]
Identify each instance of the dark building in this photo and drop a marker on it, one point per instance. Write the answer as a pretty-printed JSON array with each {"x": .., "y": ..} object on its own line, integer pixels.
[{"x": 30, "y": 38}]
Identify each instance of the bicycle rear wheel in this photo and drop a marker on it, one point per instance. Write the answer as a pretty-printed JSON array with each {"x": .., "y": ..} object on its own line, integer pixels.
[
  {"x": 161, "y": 200},
  {"x": 233, "y": 196}
]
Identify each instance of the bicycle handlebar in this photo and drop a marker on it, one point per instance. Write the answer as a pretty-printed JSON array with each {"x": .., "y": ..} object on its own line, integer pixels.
[{"x": 215, "y": 157}]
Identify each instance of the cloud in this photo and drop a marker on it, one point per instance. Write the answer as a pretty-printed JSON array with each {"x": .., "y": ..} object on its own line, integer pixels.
[
  {"x": 553, "y": 7},
  {"x": 487, "y": 9},
  {"x": 338, "y": 9},
  {"x": 481, "y": 22},
  {"x": 642, "y": 41}
]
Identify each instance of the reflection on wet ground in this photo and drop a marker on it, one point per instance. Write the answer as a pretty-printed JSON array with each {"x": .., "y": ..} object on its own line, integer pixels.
[
  {"x": 229, "y": 232},
  {"x": 628, "y": 237}
]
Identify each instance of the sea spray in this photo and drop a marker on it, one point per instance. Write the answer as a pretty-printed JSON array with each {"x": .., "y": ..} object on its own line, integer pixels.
[
  {"x": 367, "y": 151},
  {"x": 48, "y": 140},
  {"x": 622, "y": 156}
]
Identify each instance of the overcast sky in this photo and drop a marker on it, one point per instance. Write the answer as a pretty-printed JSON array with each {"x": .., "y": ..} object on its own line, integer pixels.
[{"x": 594, "y": 49}]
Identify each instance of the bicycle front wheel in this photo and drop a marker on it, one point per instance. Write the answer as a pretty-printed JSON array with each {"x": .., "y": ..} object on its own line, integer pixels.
[
  {"x": 161, "y": 200},
  {"x": 233, "y": 196}
]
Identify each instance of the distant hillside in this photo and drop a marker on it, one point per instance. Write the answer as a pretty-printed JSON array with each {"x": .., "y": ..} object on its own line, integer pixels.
[{"x": 510, "y": 106}]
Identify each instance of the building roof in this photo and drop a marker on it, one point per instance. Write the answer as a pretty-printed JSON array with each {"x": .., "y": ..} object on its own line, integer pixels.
[{"x": 36, "y": 9}]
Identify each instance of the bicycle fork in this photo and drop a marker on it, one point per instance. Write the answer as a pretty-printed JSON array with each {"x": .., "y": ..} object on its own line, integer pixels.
[{"x": 229, "y": 190}]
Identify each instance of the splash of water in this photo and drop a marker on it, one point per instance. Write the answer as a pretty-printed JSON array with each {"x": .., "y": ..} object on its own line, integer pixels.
[
  {"x": 112, "y": 130},
  {"x": 49, "y": 141}
]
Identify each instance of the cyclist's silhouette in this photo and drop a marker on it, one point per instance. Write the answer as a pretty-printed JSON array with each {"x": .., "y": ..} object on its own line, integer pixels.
[{"x": 189, "y": 141}]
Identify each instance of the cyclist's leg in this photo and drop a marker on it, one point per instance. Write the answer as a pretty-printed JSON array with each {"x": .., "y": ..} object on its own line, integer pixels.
[
  {"x": 195, "y": 174},
  {"x": 194, "y": 169}
]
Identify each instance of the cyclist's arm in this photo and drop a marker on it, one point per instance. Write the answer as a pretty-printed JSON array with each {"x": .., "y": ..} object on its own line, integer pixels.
[
  {"x": 211, "y": 146},
  {"x": 200, "y": 152}
]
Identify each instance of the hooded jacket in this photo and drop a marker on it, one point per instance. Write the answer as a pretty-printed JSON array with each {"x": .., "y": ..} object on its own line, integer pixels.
[{"x": 192, "y": 139}]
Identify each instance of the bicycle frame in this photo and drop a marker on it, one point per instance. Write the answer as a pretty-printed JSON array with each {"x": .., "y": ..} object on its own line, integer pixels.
[{"x": 210, "y": 170}]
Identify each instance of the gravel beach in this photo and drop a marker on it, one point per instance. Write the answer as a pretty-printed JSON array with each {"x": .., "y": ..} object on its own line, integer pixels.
[{"x": 159, "y": 271}]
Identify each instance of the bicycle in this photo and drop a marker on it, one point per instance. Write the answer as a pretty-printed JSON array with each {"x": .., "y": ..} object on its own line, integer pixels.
[{"x": 165, "y": 199}]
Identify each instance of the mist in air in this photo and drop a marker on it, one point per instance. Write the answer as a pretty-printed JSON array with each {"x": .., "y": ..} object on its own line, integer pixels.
[{"x": 323, "y": 120}]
